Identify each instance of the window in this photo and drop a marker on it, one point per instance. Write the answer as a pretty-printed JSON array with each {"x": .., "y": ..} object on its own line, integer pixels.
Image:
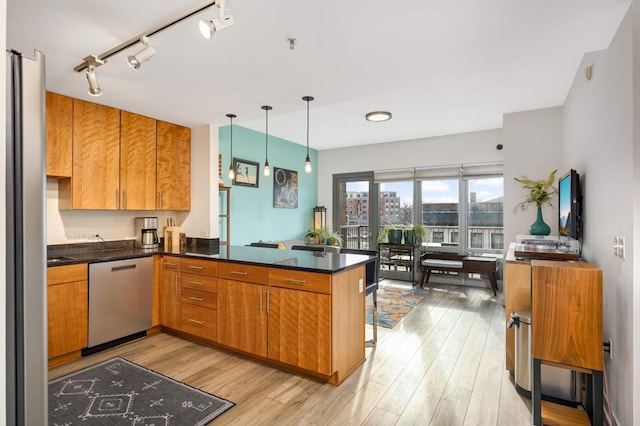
[
  {"x": 497, "y": 241},
  {"x": 476, "y": 240},
  {"x": 438, "y": 236},
  {"x": 454, "y": 237}
]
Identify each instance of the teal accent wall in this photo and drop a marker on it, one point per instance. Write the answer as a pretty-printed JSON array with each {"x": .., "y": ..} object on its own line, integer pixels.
[{"x": 253, "y": 216}]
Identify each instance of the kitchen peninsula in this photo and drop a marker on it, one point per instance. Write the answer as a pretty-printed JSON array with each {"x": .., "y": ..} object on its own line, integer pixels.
[{"x": 293, "y": 309}]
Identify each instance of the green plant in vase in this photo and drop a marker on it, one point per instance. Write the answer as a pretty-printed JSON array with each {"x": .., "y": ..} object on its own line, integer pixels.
[
  {"x": 541, "y": 192},
  {"x": 415, "y": 234},
  {"x": 391, "y": 233}
]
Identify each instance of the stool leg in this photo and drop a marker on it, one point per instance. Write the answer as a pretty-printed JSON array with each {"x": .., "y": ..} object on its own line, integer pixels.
[
  {"x": 374, "y": 324},
  {"x": 597, "y": 389}
]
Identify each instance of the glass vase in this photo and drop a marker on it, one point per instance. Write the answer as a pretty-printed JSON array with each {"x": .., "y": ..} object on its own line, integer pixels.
[{"x": 539, "y": 227}]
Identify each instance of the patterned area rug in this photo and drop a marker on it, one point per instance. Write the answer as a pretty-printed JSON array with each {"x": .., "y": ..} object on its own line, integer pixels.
[
  {"x": 394, "y": 303},
  {"x": 118, "y": 392}
]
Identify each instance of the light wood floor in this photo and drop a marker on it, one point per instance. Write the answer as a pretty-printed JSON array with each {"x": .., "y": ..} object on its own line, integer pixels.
[{"x": 443, "y": 364}]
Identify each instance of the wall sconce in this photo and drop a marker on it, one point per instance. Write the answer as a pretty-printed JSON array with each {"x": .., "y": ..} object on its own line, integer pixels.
[{"x": 319, "y": 218}]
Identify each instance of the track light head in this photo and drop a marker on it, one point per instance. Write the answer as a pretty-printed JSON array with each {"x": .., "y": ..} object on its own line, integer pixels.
[
  {"x": 210, "y": 26},
  {"x": 94, "y": 88},
  {"x": 144, "y": 55}
]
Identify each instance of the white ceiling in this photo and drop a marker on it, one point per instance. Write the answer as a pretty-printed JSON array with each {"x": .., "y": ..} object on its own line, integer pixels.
[{"x": 440, "y": 66}]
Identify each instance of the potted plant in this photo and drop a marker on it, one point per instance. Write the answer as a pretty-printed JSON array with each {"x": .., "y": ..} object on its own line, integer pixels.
[
  {"x": 415, "y": 234},
  {"x": 312, "y": 237},
  {"x": 541, "y": 192},
  {"x": 392, "y": 233},
  {"x": 330, "y": 238}
]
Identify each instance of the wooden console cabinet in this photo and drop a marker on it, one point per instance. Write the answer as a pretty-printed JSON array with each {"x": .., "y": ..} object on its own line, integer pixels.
[{"x": 567, "y": 332}]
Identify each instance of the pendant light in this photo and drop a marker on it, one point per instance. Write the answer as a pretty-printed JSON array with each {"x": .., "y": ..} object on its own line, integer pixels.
[
  {"x": 307, "y": 163},
  {"x": 232, "y": 173},
  {"x": 266, "y": 109}
]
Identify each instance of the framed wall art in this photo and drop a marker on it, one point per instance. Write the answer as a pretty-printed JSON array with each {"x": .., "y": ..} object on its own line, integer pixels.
[
  {"x": 246, "y": 172},
  {"x": 285, "y": 189}
]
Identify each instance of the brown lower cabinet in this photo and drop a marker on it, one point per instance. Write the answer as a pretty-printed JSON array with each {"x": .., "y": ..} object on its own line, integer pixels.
[
  {"x": 171, "y": 298},
  {"x": 307, "y": 320},
  {"x": 67, "y": 312}
]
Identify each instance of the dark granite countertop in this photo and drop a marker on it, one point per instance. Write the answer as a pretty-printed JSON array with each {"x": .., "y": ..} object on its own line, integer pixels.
[{"x": 286, "y": 259}]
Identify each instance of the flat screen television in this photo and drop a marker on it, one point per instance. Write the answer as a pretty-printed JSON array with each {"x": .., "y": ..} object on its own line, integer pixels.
[{"x": 570, "y": 205}]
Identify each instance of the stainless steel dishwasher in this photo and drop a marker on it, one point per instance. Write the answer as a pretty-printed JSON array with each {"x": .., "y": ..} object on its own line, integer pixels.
[{"x": 120, "y": 299}]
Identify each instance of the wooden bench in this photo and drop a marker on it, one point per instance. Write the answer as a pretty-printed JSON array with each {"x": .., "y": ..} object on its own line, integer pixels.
[{"x": 449, "y": 262}]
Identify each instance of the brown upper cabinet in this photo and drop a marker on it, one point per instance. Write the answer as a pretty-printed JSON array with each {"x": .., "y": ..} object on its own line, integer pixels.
[
  {"x": 59, "y": 128},
  {"x": 174, "y": 167},
  {"x": 110, "y": 159},
  {"x": 137, "y": 162},
  {"x": 95, "y": 183}
]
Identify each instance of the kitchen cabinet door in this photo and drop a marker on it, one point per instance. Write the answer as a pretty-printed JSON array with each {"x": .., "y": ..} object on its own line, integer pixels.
[
  {"x": 173, "y": 167},
  {"x": 59, "y": 131},
  {"x": 171, "y": 299},
  {"x": 299, "y": 329},
  {"x": 96, "y": 157},
  {"x": 137, "y": 162},
  {"x": 242, "y": 321},
  {"x": 67, "y": 311}
]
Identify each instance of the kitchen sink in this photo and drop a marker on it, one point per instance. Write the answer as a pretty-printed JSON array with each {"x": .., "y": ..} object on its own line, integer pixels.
[{"x": 57, "y": 259}]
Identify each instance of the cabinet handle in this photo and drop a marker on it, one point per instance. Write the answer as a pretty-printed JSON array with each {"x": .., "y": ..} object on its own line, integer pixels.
[
  {"x": 292, "y": 281},
  {"x": 197, "y": 299},
  {"x": 196, "y": 283},
  {"x": 238, "y": 273},
  {"x": 196, "y": 321},
  {"x": 160, "y": 196},
  {"x": 260, "y": 300},
  {"x": 196, "y": 267},
  {"x": 169, "y": 264},
  {"x": 268, "y": 309},
  {"x": 124, "y": 196},
  {"x": 177, "y": 291},
  {"x": 117, "y": 199}
]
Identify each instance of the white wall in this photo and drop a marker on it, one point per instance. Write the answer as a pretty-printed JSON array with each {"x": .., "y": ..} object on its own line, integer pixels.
[
  {"x": 3, "y": 234},
  {"x": 202, "y": 221},
  {"x": 72, "y": 226},
  {"x": 473, "y": 147},
  {"x": 599, "y": 144},
  {"x": 532, "y": 148}
]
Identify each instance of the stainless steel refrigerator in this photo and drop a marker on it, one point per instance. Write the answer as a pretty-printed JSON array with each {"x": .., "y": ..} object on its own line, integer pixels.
[{"x": 26, "y": 356}]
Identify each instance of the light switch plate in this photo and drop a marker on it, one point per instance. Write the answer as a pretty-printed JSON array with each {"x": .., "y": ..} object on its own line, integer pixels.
[{"x": 360, "y": 285}]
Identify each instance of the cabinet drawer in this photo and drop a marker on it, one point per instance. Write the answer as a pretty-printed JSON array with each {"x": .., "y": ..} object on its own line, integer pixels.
[
  {"x": 170, "y": 263},
  {"x": 200, "y": 282},
  {"x": 199, "y": 321},
  {"x": 67, "y": 273},
  {"x": 200, "y": 298},
  {"x": 200, "y": 267},
  {"x": 242, "y": 272},
  {"x": 300, "y": 280}
]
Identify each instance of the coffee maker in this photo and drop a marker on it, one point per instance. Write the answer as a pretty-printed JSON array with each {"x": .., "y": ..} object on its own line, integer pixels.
[{"x": 146, "y": 232}]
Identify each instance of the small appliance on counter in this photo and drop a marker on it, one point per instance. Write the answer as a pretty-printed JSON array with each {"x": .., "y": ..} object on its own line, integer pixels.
[{"x": 146, "y": 232}]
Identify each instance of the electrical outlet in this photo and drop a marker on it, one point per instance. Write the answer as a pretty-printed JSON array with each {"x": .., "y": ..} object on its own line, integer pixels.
[
  {"x": 615, "y": 246},
  {"x": 621, "y": 247},
  {"x": 610, "y": 348}
]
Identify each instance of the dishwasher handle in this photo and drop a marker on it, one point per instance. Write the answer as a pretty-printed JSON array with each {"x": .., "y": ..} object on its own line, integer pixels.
[{"x": 123, "y": 268}]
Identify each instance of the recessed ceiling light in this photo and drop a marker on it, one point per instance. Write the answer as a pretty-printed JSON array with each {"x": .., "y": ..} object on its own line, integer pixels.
[{"x": 378, "y": 116}]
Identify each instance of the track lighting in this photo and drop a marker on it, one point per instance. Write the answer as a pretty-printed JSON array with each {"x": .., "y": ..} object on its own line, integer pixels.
[
  {"x": 94, "y": 88},
  {"x": 209, "y": 26},
  {"x": 267, "y": 170},
  {"x": 91, "y": 62},
  {"x": 232, "y": 173},
  {"x": 307, "y": 163},
  {"x": 144, "y": 55}
]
